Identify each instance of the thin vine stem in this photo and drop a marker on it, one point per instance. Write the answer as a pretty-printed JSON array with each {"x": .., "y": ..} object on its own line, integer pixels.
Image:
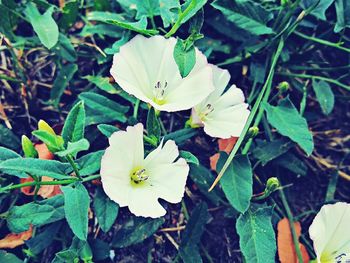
[
  {"x": 253, "y": 112},
  {"x": 308, "y": 76},
  {"x": 182, "y": 15}
]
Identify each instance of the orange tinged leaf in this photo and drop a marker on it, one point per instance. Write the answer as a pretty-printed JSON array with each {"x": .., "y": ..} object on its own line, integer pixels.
[
  {"x": 43, "y": 151},
  {"x": 225, "y": 145},
  {"x": 286, "y": 249},
  {"x": 14, "y": 240},
  {"x": 45, "y": 191}
]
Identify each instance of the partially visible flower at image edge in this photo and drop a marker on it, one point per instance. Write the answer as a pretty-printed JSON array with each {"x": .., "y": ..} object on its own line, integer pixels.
[
  {"x": 330, "y": 233},
  {"x": 222, "y": 114},
  {"x": 146, "y": 68},
  {"x": 131, "y": 180}
]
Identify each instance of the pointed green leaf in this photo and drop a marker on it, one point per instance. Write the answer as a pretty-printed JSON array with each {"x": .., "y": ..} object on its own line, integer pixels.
[
  {"x": 184, "y": 58},
  {"x": 324, "y": 95},
  {"x": 256, "y": 235},
  {"x": 288, "y": 122},
  {"x": 44, "y": 25},
  {"x": 74, "y": 126},
  {"x": 106, "y": 210},
  {"x": 76, "y": 206},
  {"x": 237, "y": 181}
]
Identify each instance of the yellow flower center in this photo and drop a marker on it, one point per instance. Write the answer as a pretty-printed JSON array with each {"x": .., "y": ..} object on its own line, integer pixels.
[
  {"x": 159, "y": 91},
  {"x": 138, "y": 176},
  {"x": 208, "y": 109}
]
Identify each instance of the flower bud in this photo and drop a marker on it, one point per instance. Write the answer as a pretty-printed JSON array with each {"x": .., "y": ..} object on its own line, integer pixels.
[
  {"x": 283, "y": 86},
  {"x": 28, "y": 148},
  {"x": 272, "y": 185},
  {"x": 43, "y": 126},
  {"x": 284, "y": 2},
  {"x": 253, "y": 131}
]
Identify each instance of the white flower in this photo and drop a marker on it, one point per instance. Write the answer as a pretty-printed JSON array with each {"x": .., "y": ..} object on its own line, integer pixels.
[
  {"x": 146, "y": 68},
  {"x": 330, "y": 233},
  {"x": 223, "y": 114},
  {"x": 131, "y": 180}
]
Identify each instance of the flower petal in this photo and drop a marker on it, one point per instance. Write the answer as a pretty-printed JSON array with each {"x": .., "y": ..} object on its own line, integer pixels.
[
  {"x": 330, "y": 231},
  {"x": 168, "y": 179},
  {"x": 124, "y": 153},
  {"x": 144, "y": 202},
  {"x": 227, "y": 122}
]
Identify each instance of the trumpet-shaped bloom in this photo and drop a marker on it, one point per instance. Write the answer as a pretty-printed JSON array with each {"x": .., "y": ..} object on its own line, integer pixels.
[
  {"x": 330, "y": 233},
  {"x": 222, "y": 114},
  {"x": 131, "y": 180},
  {"x": 146, "y": 68}
]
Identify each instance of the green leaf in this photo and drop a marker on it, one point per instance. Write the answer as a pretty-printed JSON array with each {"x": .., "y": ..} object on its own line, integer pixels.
[
  {"x": 44, "y": 25},
  {"x": 70, "y": 13},
  {"x": 43, "y": 240},
  {"x": 39, "y": 167},
  {"x": 74, "y": 148},
  {"x": 135, "y": 231},
  {"x": 152, "y": 124},
  {"x": 181, "y": 136},
  {"x": 168, "y": 11},
  {"x": 76, "y": 206},
  {"x": 61, "y": 82},
  {"x": 185, "y": 58},
  {"x": 266, "y": 151},
  {"x": 102, "y": 83},
  {"x": 9, "y": 139},
  {"x": 292, "y": 163},
  {"x": 189, "y": 157},
  {"x": 53, "y": 142},
  {"x": 28, "y": 147},
  {"x": 324, "y": 95},
  {"x": 288, "y": 122},
  {"x": 102, "y": 109},
  {"x": 247, "y": 15},
  {"x": 100, "y": 249},
  {"x": 41, "y": 213},
  {"x": 342, "y": 8},
  {"x": 192, "y": 234},
  {"x": 256, "y": 236},
  {"x": 106, "y": 210},
  {"x": 203, "y": 179},
  {"x": 116, "y": 19},
  {"x": 74, "y": 126},
  {"x": 106, "y": 129},
  {"x": 320, "y": 10},
  {"x": 6, "y": 154},
  {"x": 90, "y": 163},
  {"x": 237, "y": 181},
  {"x": 9, "y": 258},
  {"x": 65, "y": 49}
]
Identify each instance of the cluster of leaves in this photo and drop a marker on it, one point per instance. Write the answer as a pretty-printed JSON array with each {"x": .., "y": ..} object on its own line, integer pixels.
[{"x": 68, "y": 48}]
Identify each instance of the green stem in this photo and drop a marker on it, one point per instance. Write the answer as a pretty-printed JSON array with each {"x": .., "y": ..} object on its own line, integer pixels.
[
  {"x": 74, "y": 166},
  {"x": 5, "y": 77},
  {"x": 319, "y": 69},
  {"x": 292, "y": 227},
  {"x": 322, "y": 41},
  {"x": 136, "y": 108},
  {"x": 58, "y": 182},
  {"x": 267, "y": 88},
  {"x": 150, "y": 141},
  {"x": 308, "y": 76},
  {"x": 182, "y": 15}
]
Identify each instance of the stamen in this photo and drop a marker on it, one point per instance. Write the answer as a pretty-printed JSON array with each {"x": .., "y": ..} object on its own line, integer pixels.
[
  {"x": 159, "y": 91},
  {"x": 208, "y": 109},
  {"x": 139, "y": 176}
]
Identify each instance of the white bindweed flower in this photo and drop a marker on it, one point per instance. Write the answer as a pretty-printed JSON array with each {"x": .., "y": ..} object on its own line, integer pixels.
[
  {"x": 222, "y": 114},
  {"x": 146, "y": 68},
  {"x": 131, "y": 180},
  {"x": 330, "y": 233}
]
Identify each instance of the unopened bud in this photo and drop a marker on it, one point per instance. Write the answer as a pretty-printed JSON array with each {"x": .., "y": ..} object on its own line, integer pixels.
[
  {"x": 253, "y": 131},
  {"x": 28, "y": 148},
  {"x": 284, "y": 2},
  {"x": 272, "y": 184},
  {"x": 43, "y": 126},
  {"x": 283, "y": 86}
]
